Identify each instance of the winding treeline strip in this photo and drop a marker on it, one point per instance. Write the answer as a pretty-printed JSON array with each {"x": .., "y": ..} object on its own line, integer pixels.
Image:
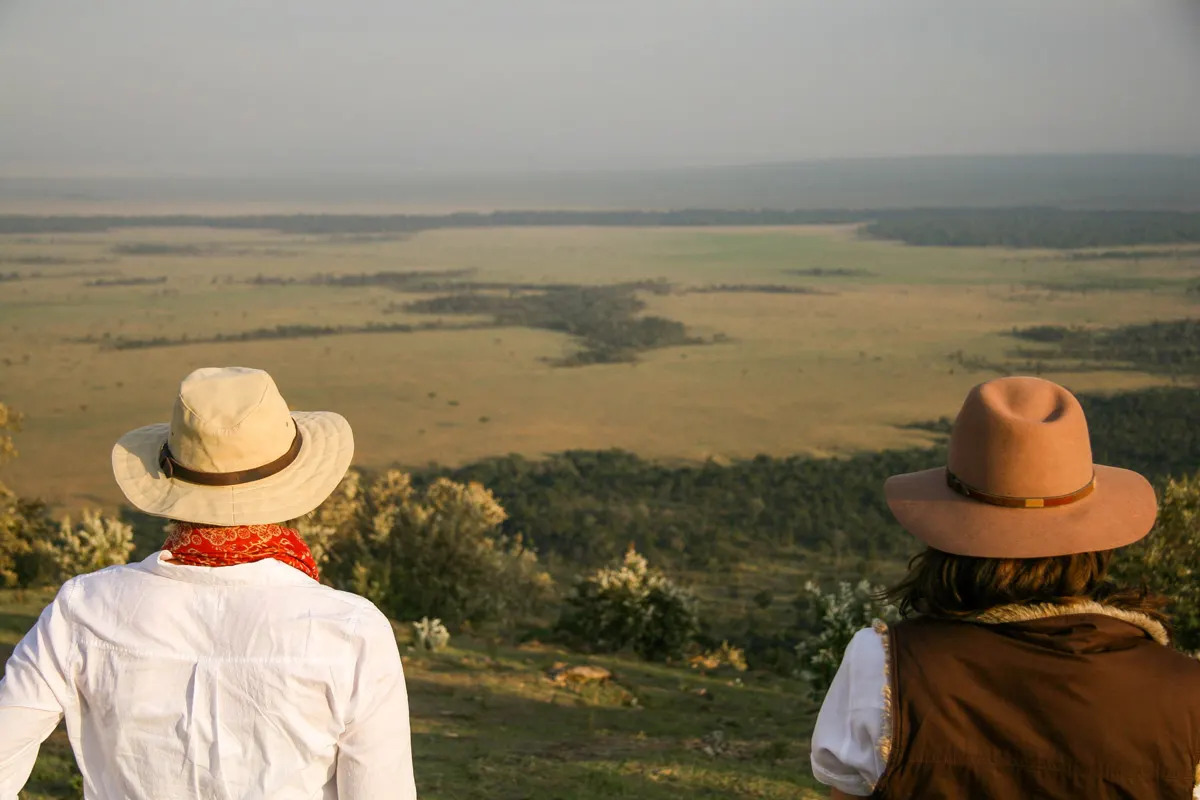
[
  {"x": 131, "y": 281},
  {"x": 951, "y": 227},
  {"x": 1171, "y": 346},
  {"x": 752, "y": 288},
  {"x": 606, "y": 320},
  {"x": 1035, "y": 227},
  {"x": 280, "y": 332}
]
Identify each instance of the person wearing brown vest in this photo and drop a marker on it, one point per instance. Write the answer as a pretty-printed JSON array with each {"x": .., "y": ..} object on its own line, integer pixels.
[{"x": 1019, "y": 670}]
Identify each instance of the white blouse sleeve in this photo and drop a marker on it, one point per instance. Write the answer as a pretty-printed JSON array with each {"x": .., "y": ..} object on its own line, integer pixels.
[{"x": 845, "y": 744}]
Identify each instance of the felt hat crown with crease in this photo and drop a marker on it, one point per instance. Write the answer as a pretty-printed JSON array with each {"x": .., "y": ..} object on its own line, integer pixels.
[
  {"x": 233, "y": 454},
  {"x": 1020, "y": 483}
]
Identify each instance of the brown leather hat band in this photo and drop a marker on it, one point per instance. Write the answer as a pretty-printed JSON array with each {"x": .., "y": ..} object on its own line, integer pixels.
[
  {"x": 173, "y": 469},
  {"x": 966, "y": 490}
]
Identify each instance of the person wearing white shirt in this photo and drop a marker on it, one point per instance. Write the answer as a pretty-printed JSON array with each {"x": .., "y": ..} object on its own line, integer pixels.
[{"x": 218, "y": 667}]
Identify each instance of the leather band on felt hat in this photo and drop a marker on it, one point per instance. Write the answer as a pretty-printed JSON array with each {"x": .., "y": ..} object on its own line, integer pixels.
[{"x": 966, "y": 490}]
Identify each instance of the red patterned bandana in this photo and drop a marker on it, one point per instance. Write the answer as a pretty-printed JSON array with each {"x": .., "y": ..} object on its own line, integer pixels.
[{"x": 209, "y": 546}]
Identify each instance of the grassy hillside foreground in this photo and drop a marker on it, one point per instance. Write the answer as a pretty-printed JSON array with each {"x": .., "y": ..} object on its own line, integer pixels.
[{"x": 488, "y": 722}]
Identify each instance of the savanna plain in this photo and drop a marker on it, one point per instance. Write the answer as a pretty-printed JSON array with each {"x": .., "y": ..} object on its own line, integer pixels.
[
  {"x": 855, "y": 341},
  {"x": 705, "y": 347}
]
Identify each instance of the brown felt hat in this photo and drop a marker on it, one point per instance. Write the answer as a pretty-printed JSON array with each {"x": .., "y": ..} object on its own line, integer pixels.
[{"x": 1020, "y": 482}]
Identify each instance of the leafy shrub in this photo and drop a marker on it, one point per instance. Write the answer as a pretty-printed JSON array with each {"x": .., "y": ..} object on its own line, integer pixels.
[
  {"x": 25, "y": 529},
  {"x": 631, "y": 605},
  {"x": 96, "y": 542},
  {"x": 1168, "y": 560},
  {"x": 431, "y": 634},
  {"x": 432, "y": 553},
  {"x": 832, "y": 619}
]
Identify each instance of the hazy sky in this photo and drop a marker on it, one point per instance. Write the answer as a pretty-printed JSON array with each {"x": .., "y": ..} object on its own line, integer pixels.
[{"x": 276, "y": 86}]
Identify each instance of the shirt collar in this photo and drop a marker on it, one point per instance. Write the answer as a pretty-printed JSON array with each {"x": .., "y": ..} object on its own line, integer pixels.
[{"x": 267, "y": 572}]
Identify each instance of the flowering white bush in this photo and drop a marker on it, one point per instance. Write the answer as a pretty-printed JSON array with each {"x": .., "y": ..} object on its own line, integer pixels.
[
  {"x": 631, "y": 604},
  {"x": 431, "y": 634},
  {"x": 832, "y": 619},
  {"x": 98, "y": 541}
]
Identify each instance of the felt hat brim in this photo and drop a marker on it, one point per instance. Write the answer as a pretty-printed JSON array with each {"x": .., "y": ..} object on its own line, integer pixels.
[
  {"x": 326, "y": 450},
  {"x": 1120, "y": 511}
]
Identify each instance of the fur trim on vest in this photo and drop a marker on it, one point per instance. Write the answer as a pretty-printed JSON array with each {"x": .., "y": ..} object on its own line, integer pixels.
[{"x": 1027, "y": 613}]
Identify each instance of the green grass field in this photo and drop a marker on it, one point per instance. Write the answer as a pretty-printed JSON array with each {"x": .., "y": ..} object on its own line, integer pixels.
[
  {"x": 489, "y": 723},
  {"x": 796, "y": 372}
]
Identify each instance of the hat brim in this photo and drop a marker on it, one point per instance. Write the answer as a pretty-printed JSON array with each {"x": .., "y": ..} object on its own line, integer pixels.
[
  {"x": 325, "y": 453},
  {"x": 1120, "y": 511}
]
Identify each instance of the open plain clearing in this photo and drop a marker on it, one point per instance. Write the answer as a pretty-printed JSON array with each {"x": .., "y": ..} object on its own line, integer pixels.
[{"x": 859, "y": 345}]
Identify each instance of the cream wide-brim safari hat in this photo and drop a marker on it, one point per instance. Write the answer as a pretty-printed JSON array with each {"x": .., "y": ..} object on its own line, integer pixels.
[{"x": 233, "y": 454}]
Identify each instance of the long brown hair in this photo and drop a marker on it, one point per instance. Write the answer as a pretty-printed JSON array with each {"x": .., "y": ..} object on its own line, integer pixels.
[{"x": 944, "y": 585}]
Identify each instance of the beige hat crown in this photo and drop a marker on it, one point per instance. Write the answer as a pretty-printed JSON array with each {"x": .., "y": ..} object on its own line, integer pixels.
[
  {"x": 229, "y": 419},
  {"x": 233, "y": 454}
]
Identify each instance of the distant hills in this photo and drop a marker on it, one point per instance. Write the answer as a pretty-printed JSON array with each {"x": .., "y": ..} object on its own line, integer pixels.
[{"x": 1131, "y": 182}]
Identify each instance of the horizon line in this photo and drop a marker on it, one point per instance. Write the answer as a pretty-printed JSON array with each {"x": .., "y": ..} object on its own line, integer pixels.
[{"x": 226, "y": 174}]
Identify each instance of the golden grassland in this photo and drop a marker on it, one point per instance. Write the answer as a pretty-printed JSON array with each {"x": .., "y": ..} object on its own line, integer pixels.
[
  {"x": 488, "y": 723},
  {"x": 821, "y": 373}
]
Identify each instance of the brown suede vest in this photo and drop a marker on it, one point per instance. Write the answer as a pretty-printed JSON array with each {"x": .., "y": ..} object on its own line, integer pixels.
[{"x": 1076, "y": 706}]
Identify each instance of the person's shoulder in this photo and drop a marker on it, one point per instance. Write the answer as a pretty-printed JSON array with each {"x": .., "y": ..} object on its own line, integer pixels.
[
  {"x": 368, "y": 629},
  {"x": 365, "y": 613},
  {"x": 101, "y": 578},
  {"x": 866, "y": 651}
]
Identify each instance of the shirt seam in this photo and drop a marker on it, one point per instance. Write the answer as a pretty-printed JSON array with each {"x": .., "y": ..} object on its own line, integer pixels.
[
  {"x": 73, "y": 651},
  {"x": 353, "y": 698}
]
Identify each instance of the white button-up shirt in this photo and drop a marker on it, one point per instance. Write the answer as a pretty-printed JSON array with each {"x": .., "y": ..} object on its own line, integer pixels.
[{"x": 249, "y": 682}]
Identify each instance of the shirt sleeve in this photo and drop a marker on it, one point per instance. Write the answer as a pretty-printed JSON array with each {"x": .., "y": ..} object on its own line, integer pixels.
[
  {"x": 845, "y": 743},
  {"x": 34, "y": 693},
  {"x": 375, "y": 750}
]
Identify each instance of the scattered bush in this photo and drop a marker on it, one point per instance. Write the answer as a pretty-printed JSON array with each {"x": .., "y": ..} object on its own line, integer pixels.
[
  {"x": 97, "y": 542},
  {"x": 631, "y": 605},
  {"x": 431, "y": 634},
  {"x": 832, "y": 619},
  {"x": 726, "y": 655},
  {"x": 432, "y": 553},
  {"x": 10, "y": 420}
]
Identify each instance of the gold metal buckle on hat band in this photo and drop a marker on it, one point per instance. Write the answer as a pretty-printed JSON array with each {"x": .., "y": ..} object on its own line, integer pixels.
[
  {"x": 173, "y": 469},
  {"x": 966, "y": 490}
]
